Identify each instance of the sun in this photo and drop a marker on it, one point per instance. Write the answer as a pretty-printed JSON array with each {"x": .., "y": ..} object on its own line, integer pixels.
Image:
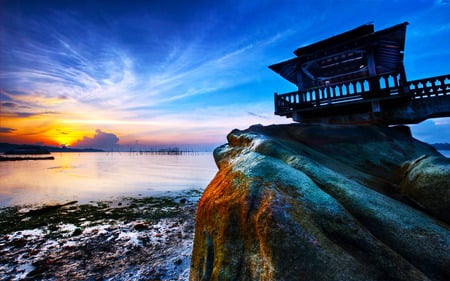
[
  {"x": 64, "y": 140},
  {"x": 64, "y": 137}
]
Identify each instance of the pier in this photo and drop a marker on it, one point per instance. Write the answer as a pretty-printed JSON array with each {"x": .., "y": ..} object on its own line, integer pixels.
[{"x": 359, "y": 77}]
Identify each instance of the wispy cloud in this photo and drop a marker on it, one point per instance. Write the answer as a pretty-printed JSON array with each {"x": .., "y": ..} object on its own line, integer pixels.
[
  {"x": 123, "y": 91},
  {"x": 106, "y": 75}
]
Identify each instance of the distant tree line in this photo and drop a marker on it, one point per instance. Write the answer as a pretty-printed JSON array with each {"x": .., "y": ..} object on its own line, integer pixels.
[{"x": 6, "y": 147}]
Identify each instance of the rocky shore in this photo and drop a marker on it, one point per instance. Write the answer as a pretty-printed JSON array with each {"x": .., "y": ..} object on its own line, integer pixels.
[
  {"x": 130, "y": 239},
  {"x": 324, "y": 202}
]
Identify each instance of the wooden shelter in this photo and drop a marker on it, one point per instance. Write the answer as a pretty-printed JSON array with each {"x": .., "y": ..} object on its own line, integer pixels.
[{"x": 354, "y": 77}]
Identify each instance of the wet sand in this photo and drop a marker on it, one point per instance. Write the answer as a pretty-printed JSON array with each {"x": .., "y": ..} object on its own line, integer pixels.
[{"x": 130, "y": 239}]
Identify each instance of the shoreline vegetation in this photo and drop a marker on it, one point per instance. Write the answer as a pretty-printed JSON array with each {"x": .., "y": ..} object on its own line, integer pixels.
[
  {"x": 13, "y": 152},
  {"x": 9, "y": 148},
  {"x": 28, "y": 152},
  {"x": 22, "y": 158},
  {"x": 148, "y": 238}
]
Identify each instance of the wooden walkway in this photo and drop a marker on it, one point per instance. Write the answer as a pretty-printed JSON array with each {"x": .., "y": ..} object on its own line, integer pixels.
[{"x": 368, "y": 95}]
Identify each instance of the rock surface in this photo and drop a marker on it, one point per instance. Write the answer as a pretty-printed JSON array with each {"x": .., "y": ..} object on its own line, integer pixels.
[{"x": 322, "y": 202}]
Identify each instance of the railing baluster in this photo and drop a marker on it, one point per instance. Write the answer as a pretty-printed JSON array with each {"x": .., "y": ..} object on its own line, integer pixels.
[
  {"x": 447, "y": 85},
  {"x": 440, "y": 88},
  {"x": 386, "y": 81},
  {"x": 435, "y": 88},
  {"x": 354, "y": 90},
  {"x": 420, "y": 89},
  {"x": 316, "y": 95},
  {"x": 366, "y": 86},
  {"x": 427, "y": 88},
  {"x": 416, "y": 90},
  {"x": 444, "y": 86}
]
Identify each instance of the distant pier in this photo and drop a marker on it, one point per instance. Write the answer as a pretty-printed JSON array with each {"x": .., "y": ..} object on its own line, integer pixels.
[{"x": 165, "y": 151}]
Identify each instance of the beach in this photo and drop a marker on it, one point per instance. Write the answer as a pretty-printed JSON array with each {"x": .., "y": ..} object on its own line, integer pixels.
[{"x": 126, "y": 239}]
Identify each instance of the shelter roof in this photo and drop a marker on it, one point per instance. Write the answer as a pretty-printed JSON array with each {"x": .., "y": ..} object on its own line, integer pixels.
[{"x": 340, "y": 56}]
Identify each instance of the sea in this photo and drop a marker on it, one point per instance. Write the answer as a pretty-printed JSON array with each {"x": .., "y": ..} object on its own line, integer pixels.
[
  {"x": 446, "y": 153},
  {"x": 100, "y": 176},
  {"x": 91, "y": 177}
]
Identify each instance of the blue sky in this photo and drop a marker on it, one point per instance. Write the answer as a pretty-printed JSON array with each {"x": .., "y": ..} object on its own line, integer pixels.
[{"x": 149, "y": 73}]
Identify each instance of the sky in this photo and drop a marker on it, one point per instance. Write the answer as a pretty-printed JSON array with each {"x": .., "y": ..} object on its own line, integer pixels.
[{"x": 129, "y": 74}]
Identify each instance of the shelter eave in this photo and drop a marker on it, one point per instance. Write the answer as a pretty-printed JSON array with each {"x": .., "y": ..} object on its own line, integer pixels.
[{"x": 287, "y": 69}]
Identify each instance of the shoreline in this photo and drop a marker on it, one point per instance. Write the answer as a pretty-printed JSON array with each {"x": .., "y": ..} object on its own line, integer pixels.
[{"x": 137, "y": 238}]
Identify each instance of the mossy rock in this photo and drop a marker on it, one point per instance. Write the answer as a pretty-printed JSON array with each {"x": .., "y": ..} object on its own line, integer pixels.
[{"x": 426, "y": 181}]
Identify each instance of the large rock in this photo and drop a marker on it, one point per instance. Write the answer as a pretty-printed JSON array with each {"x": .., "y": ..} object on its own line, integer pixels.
[
  {"x": 426, "y": 182},
  {"x": 296, "y": 202}
]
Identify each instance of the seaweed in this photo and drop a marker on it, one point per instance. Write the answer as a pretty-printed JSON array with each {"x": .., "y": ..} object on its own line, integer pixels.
[{"x": 149, "y": 209}]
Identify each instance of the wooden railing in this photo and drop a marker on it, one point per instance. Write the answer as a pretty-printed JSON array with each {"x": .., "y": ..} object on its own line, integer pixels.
[
  {"x": 430, "y": 87},
  {"x": 380, "y": 86}
]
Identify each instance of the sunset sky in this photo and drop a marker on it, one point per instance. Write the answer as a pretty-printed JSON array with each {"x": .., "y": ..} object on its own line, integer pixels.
[{"x": 119, "y": 74}]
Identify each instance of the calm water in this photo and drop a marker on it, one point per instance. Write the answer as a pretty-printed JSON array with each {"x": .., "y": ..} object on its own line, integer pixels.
[{"x": 101, "y": 176}]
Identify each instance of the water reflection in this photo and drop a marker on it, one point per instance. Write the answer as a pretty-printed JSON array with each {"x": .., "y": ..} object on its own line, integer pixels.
[{"x": 101, "y": 176}]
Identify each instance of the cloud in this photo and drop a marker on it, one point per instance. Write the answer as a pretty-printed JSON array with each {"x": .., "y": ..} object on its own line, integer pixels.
[
  {"x": 6, "y": 130},
  {"x": 99, "y": 140},
  {"x": 9, "y": 104},
  {"x": 257, "y": 115},
  {"x": 21, "y": 114}
]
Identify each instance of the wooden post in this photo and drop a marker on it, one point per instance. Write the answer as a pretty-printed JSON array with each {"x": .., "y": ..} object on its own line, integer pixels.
[
  {"x": 403, "y": 82},
  {"x": 374, "y": 85},
  {"x": 275, "y": 99}
]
